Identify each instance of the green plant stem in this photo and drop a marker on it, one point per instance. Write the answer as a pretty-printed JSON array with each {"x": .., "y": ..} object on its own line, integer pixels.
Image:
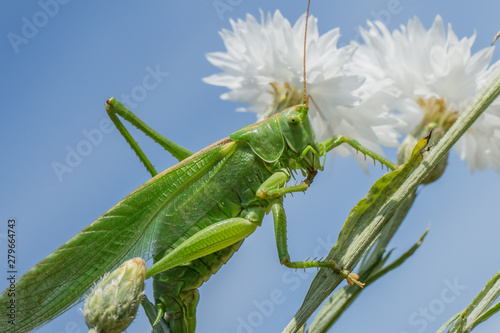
[{"x": 326, "y": 281}]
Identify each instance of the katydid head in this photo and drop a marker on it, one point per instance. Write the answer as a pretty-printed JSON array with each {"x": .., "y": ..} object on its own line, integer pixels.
[
  {"x": 300, "y": 137},
  {"x": 286, "y": 137},
  {"x": 296, "y": 126}
]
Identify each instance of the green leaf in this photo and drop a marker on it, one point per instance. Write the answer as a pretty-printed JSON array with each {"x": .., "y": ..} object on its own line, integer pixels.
[
  {"x": 383, "y": 208},
  {"x": 478, "y": 310},
  {"x": 360, "y": 231},
  {"x": 343, "y": 298}
]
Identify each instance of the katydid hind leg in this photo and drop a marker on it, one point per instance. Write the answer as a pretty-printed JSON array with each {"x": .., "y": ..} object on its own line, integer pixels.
[
  {"x": 114, "y": 109},
  {"x": 178, "y": 274},
  {"x": 207, "y": 241}
]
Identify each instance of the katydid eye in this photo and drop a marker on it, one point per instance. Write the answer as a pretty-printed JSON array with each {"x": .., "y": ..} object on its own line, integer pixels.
[{"x": 293, "y": 120}]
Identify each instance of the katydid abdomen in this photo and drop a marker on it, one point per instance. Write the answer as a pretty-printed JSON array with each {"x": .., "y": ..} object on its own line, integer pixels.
[
  {"x": 176, "y": 290},
  {"x": 212, "y": 197}
]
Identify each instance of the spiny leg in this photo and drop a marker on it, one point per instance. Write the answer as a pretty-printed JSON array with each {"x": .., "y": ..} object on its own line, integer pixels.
[
  {"x": 279, "y": 218},
  {"x": 114, "y": 108},
  {"x": 337, "y": 140},
  {"x": 274, "y": 186}
]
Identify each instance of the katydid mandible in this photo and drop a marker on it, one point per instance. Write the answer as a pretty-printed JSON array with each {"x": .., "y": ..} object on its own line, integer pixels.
[{"x": 190, "y": 218}]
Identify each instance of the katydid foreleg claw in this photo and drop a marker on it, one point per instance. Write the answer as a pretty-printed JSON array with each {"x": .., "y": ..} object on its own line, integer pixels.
[{"x": 351, "y": 278}]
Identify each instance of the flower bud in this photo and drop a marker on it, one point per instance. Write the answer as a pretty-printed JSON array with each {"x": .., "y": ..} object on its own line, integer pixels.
[
  {"x": 438, "y": 118},
  {"x": 113, "y": 303},
  {"x": 283, "y": 97}
]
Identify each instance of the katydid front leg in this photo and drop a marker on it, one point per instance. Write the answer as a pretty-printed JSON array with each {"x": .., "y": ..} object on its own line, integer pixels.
[
  {"x": 337, "y": 140},
  {"x": 274, "y": 186}
]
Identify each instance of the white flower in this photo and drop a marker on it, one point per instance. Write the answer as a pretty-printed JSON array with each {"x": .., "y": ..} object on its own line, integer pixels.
[
  {"x": 425, "y": 64},
  {"x": 259, "y": 54}
]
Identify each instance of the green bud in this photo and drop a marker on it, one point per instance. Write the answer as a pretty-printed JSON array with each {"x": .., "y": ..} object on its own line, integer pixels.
[
  {"x": 113, "y": 303},
  {"x": 438, "y": 118}
]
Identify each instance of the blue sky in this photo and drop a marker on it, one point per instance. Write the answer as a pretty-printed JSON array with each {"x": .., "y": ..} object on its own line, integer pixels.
[{"x": 54, "y": 85}]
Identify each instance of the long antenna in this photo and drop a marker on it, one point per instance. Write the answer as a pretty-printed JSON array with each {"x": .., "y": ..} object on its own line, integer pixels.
[{"x": 304, "y": 57}]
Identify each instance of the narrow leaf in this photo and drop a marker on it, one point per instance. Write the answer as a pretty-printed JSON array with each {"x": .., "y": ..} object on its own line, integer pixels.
[
  {"x": 324, "y": 281},
  {"x": 478, "y": 310}
]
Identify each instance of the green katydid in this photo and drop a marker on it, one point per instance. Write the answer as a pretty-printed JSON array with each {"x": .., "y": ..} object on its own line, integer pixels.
[{"x": 190, "y": 218}]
